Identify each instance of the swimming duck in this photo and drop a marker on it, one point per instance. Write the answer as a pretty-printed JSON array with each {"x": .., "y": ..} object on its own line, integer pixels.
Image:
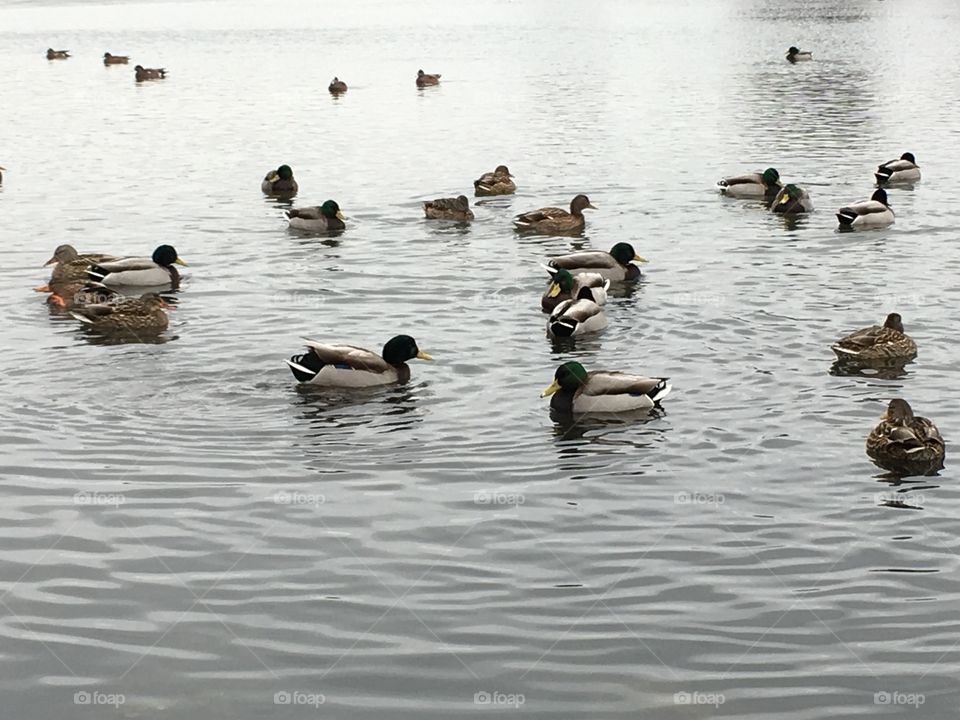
[
  {"x": 349, "y": 366},
  {"x": 143, "y": 315},
  {"x": 575, "y": 390},
  {"x": 886, "y": 342},
  {"x": 143, "y": 73},
  {"x": 904, "y": 443},
  {"x": 796, "y": 55},
  {"x": 457, "y": 208},
  {"x": 57, "y": 54},
  {"x": 580, "y": 315},
  {"x": 279, "y": 182},
  {"x": 71, "y": 265},
  {"x": 337, "y": 86},
  {"x": 77, "y": 293},
  {"x": 566, "y": 286},
  {"x": 427, "y": 79},
  {"x": 904, "y": 170},
  {"x": 109, "y": 59},
  {"x": 874, "y": 212},
  {"x": 140, "y": 271},
  {"x": 792, "y": 200},
  {"x": 550, "y": 220},
  {"x": 765, "y": 184},
  {"x": 498, "y": 182},
  {"x": 614, "y": 265},
  {"x": 327, "y": 218}
]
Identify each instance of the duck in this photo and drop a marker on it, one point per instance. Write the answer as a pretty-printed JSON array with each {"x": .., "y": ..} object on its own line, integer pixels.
[
  {"x": 614, "y": 265},
  {"x": 874, "y": 212},
  {"x": 143, "y": 315},
  {"x": 792, "y": 200},
  {"x": 574, "y": 390},
  {"x": 77, "y": 293},
  {"x": 906, "y": 444},
  {"x": 765, "y": 184},
  {"x": 143, "y": 73},
  {"x": 904, "y": 170},
  {"x": 498, "y": 182},
  {"x": 71, "y": 265},
  {"x": 337, "y": 86},
  {"x": 550, "y": 220},
  {"x": 795, "y": 54},
  {"x": 2, "y": 171},
  {"x": 581, "y": 314},
  {"x": 566, "y": 286},
  {"x": 109, "y": 59},
  {"x": 326, "y": 217},
  {"x": 457, "y": 208},
  {"x": 427, "y": 79},
  {"x": 279, "y": 182},
  {"x": 140, "y": 271},
  {"x": 348, "y": 366},
  {"x": 57, "y": 54},
  {"x": 877, "y": 342}
]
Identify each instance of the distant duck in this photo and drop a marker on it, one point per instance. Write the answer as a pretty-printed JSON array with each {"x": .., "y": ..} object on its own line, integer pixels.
[
  {"x": 347, "y": 366},
  {"x": 796, "y": 55},
  {"x": 137, "y": 316},
  {"x": 614, "y": 265},
  {"x": 57, "y": 54},
  {"x": 565, "y": 286},
  {"x": 580, "y": 315},
  {"x": 427, "y": 79},
  {"x": 457, "y": 208},
  {"x": 71, "y": 265},
  {"x": 874, "y": 212},
  {"x": 575, "y": 390},
  {"x": 792, "y": 200},
  {"x": 765, "y": 184},
  {"x": 153, "y": 271},
  {"x": 325, "y": 218},
  {"x": 904, "y": 170},
  {"x": 279, "y": 182},
  {"x": 337, "y": 86},
  {"x": 551, "y": 220},
  {"x": 877, "y": 342},
  {"x": 906, "y": 444},
  {"x": 143, "y": 73},
  {"x": 498, "y": 182},
  {"x": 109, "y": 59}
]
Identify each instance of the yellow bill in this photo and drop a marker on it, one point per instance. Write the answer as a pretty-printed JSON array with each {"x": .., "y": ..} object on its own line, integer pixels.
[
  {"x": 340, "y": 216},
  {"x": 421, "y": 355},
  {"x": 554, "y": 290},
  {"x": 554, "y": 386},
  {"x": 178, "y": 261},
  {"x": 640, "y": 258}
]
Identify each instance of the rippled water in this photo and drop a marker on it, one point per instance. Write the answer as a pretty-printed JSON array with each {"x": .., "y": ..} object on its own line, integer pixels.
[{"x": 183, "y": 528}]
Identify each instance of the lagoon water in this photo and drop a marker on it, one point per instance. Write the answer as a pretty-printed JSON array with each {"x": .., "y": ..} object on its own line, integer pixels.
[{"x": 183, "y": 528}]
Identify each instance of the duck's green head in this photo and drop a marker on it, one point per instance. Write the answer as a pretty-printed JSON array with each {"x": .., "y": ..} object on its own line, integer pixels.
[
  {"x": 791, "y": 192},
  {"x": 330, "y": 209},
  {"x": 793, "y": 50},
  {"x": 624, "y": 253},
  {"x": 401, "y": 348},
  {"x": 284, "y": 172},
  {"x": 562, "y": 282},
  {"x": 166, "y": 255},
  {"x": 770, "y": 176},
  {"x": 568, "y": 376}
]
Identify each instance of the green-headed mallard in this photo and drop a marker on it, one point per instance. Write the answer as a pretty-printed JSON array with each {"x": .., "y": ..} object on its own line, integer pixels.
[
  {"x": 349, "y": 366},
  {"x": 614, "y": 265},
  {"x": 795, "y": 54},
  {"x": 580, "y": 315},
  {"x": 792, "y": 200},
  {"x": 71, "y": 265},
  {"x": 575, "y": 390},
  {"x": 57, "y": 54},
  {"x": 874, "y": 212},
  {"x": 143, "y": 73},
  {"x": 906, "y": 444},
  {"x": 550, "y": 220},
  {"x": 143, "y": 315},
  {"x": 886, "y": 342},
  {"x": 566, "y": 286},
  {"x": 457, "y": 208},
  {"x": 498, "y": 182},
  {"x": 325, "y": 218},
  {"x": 427, "y": 79},
  {"x": 280, "y": 182},
  {"x": 157, "y": 270},
  {"x": 109, "y": 59},
  {"x": 765, "y": 184},
  {"x": 904, "y": 170},
  {"x": 78, "y": 293},
  {"x": 337, "y": 86}
]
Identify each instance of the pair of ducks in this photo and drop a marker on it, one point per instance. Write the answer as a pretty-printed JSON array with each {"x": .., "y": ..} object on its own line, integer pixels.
[
  {"x": 338, "y": 86},
  {"x": 281, "y": 184},
  {"x": 498, "y": 182}
]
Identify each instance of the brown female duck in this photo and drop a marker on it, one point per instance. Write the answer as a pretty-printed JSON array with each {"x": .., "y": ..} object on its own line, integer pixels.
[
  {"x": 498, "y": 182},
  {"x": 906, "y": 444},
  {"x": 457, "y": 208},
  {"x": 550, "y": 220}
]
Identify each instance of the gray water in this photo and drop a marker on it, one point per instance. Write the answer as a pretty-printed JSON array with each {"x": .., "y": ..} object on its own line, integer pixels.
[{"x": 187, "y": 535}]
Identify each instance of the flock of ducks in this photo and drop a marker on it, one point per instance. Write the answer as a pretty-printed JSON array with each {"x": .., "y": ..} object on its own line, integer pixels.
[{"x": 140, "y": 73}]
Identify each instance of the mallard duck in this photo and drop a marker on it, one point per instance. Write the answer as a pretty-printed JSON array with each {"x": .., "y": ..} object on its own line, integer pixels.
[
  {"x": 765, "y": 184},
  {"x": 904, "y": 170},
  {"x": 874, "y": 212},
  {"x": 581, "y": 314},
  {"x": 551, "y": 220},
  {"x": 886, "y": 342},
  {"x": 143, "y": 73},
  {"x": 143, "y": 315},
  {"x": 498, "y": 182},
  {"x": 457, "y": 208},
  {"x": 427, "y": 79},
  {"x": 71, "y": 265},
  {"x": 57, "y": 54},
  {"x": 796, "y": 55},
  {"x": 140, "y": 271},
  {"x": 575, "y": 390},
  {"x": 337, "y": 86},
  {"x": 279, "y": 182},
  {"x": 614, "y": 265},
  {"x": 109, "y": 59},
  {"x": 904, "y": 443},
  {"x": 349, "y": 366},
  {"x": 792, "y": 200},
  {"x": 77, "y": 293},
  {"x": 325, "y": 218},
  {"x": 566, "y": 286}
]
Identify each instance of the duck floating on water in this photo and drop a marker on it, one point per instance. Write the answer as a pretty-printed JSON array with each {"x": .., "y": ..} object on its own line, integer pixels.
[
  {"x": 424, "y": 79},
  {"x": 57, "y": 54},
  {"x": 904, "y": 170},
  {"x": 792, "y": 200},
  {"x": 279, "y": 182},
  {"x": 552, "y": 220},
  {"x": 141, "y": 73},
  {"x": 109, "y": 59},
  {"x": 614, "y": 265},
  {"x": 574, "y": 390},
  {"x": 871, "y": 213},
  {"x": 325, "y": 218},
  {"x": 906, "y": 444},
  {"x": 457, "y": 208},
  {"x": 795, "y": 54},
  {"x": 159, "y": 269},
  {"x": 765, "y": 184},
  {"x": 498, "y": 182},
  {"x": 347, "y": 366},
  {"x": 877, "y": 342},
  {"x": 337, "y": 86}
]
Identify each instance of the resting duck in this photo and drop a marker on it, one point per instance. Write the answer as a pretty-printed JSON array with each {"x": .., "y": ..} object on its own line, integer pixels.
[
  {"x": 153, "y": 271},
  {"x": 427, "y": 79},
  {"x": 498, "y": 182},
  {"x": 337, "y": 86},
  {"x": 109, "y": 59},
  {"x": 874, "y": 212},
  {"x": 550, "y": 220},
  {"x": 325, "y": 218},
  {"x": 457, "y": 208},
  {"x": 796, "y": 55},
  {"x": 279, "y": 182},
  {"x": 71, "y": 265},
  {"x": 792, "y": 200},
  {"x": 765, "y": 184},
  {"x": 886, "y": 342},
  {"x": 580, "y": 315},
  {"x": 906, "y": 444},
  {"x": 566, "y": 286},
  {"x": 143, "y": 73},
  {"x": 349, "y": 366},
  {"x": 575, "y": 390},
  {"x": 904, "y": 170},
  {"x": 57, "y": 54},
  {"x": 143, "y": 315},
  {"x": 614, "y": 265}
]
